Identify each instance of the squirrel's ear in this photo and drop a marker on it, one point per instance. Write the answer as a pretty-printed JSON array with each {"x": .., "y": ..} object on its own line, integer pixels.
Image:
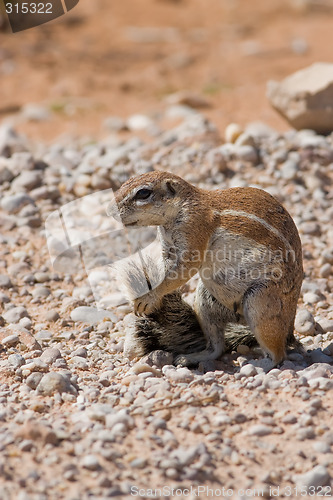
[{"x": 170, "y": 188}]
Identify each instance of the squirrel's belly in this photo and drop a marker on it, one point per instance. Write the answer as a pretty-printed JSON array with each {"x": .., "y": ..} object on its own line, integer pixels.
[{"x": 232, "y": 263}]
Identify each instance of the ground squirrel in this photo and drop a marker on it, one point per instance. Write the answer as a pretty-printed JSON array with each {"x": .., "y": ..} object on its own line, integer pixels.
[{"x": 242, "y": 242}]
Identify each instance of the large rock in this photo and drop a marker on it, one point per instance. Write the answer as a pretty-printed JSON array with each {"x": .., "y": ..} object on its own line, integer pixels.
[{"x": 305, "y": 98}]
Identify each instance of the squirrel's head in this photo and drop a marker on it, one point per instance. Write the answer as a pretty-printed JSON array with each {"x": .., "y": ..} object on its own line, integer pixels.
[{"x": 152, "y": 199}]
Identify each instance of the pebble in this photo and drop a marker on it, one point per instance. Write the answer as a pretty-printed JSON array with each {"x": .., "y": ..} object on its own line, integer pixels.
[
  {"x": 5, "y": 174},
  {"x": 33, "y": 379},
  {"x": 248, "y": 371},
  {"x": 53, "y": 382},
  {"x": 5, "y": 281},
  {"x": 158, "y": 358},
  {"x": 259, "y": 430},
  {"x": 179, "y": 375},
  {"x": 90, "y": 462},
  {"x": 304, "y": 322},
  {"x": 232, "y": 132},
  {"x": 15, "y": 314},
  {"x": 10, "y": 341},
  {"x": 13, "y": 203},
  {"x": 50, "y": 355},
  {"x": 139, "y": 122},
  {"x": 43, "y": 335},
  {"x": 52, "y": 316},
  {"x": 120, "y": 417},
  {"x": 326, "y": 324},
  {"x": 79, "y": 362},
  {"x": 91, "y": 315},
  {"x": 325, "y": 271},
  {"x": 311, "y": 298},
  {"x": 16, "y": 360},
  {"x": 41, "y": 292},
  {"x": 318, "y": 476},
  {"x": 321, "y": 447},
  {"x": 27, "y": 180}
]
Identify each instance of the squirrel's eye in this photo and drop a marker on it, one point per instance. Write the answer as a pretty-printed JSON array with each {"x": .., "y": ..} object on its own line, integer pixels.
[{"x": 143, "y": 194}]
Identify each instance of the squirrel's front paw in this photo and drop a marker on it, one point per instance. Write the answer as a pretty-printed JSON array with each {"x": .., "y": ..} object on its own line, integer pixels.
[{"x": 146, "y": 304}]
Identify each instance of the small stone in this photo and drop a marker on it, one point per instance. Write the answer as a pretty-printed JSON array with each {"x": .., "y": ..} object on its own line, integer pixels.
[
  {"x": 115, "y": 124},
  {"x": 243, "y": 349},
  {"x": 33, "y": 379},
  {"x": 79, "y": 363},
  {"x": 14, "y": 202},
  {"x": 310, "y": 228},
  {"x": 185, "y": 98},
  {"x": 158, "y": 358},
  {"x": 50, "y": 355},
  {"x": 138, "y": 463},
  {"x": 90, "y": 315},
  {"x": 90, "y": 462},
  {"x": 27, "y": 180},
  {"x": 54, "y": 382},
  {"x": 36, "y": 431},
  {"x": 326, "y": 270},
  {"x": 318, "y": 476},
  {"x": 326, "y": 324},
  {"x": 121, "y": 417},
  {"x": 317, "y": 356},
  {"x": 5, "y": 281},
  {"x": 41, "y": 277},
  {"x": 289, "y": 170},
  {"x": 259, "y": 430},
  {"x": 186, "y": 456},
  {"x": 15, "y": 314},
  {"x": 81, "y": 351},
  {"x": 180, "y": 375},
  {"x": 139, "y": 122},
  {"x": 26, "y": 445},
  {"x": 10, "y": 341},
  {"x": 52, "y": 316},
  {"x": 216, "y": 160},
  {"x": 248, "y": 371},
  {"x": 35, "y": 112},
  {"x": 43, "y": 335},
  {"x": 41, "y": 292},
  {"x": 5, "y": 174},
  {"x": 289, "y": 419},
  {"x": 232, "y": 132},
  {"x": 141, "y": 367},
  {"x": 246, "y": 153},
  {"x": 322, "y": 447},
  {"x": 304, "y": 322},
  {"x": 25, "y": 323},
  {"x": 16, "y": 360}
]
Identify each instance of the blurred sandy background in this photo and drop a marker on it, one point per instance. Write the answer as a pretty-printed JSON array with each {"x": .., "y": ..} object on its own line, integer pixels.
[{"x": 115, "y": 58}]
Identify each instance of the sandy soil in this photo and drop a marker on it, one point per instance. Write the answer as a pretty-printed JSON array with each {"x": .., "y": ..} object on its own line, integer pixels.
[{"x": 103, "y": 59}]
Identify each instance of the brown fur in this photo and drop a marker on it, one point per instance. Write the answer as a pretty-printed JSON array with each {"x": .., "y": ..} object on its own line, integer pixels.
[{"x": 194, "y": 225}]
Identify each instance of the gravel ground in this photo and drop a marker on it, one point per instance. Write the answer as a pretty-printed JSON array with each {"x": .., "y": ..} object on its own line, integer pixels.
[{"x": 77, "y": 419}]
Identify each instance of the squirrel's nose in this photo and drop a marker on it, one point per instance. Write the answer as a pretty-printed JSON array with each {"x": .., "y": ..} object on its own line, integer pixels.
[{"x": 113, "y": 211}]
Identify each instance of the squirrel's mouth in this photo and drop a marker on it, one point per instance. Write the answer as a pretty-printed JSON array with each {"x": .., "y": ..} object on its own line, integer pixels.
[{"x": 130, "y": 224}]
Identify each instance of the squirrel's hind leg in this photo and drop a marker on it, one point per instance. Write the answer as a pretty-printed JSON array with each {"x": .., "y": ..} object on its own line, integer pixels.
[
  {"x": 268, "y": 319},
  {"x": 213, "y": 317}
]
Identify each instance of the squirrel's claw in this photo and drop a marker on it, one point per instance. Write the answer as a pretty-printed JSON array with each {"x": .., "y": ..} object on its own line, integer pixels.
[{"x": 146, "y": 304}]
